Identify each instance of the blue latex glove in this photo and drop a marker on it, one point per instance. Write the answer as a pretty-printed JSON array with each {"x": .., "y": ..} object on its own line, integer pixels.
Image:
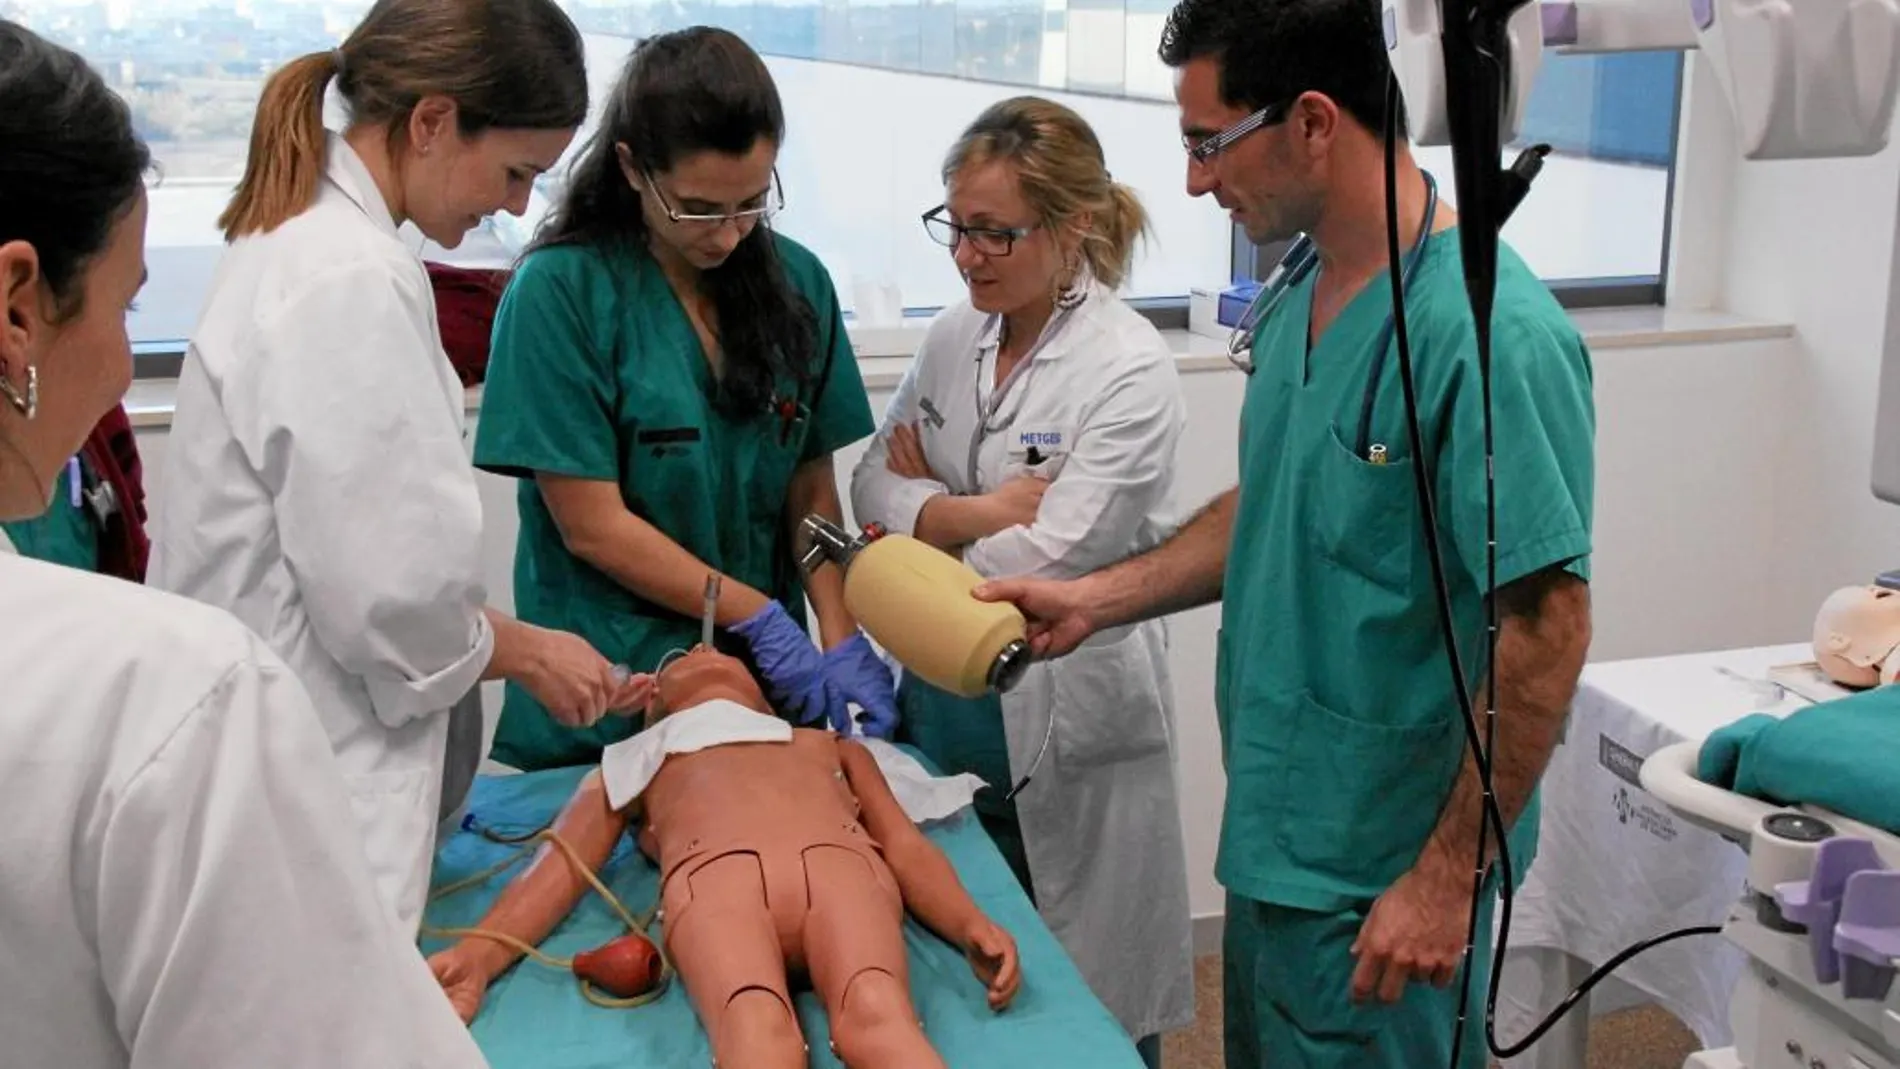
[
  {"x": 793, "y": 668},
  {"x": 855, "y": 669}
]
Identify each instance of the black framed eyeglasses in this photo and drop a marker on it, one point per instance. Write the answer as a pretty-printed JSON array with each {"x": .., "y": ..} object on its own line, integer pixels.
[
  {"x": 988, "y": 240},
  {"x": 1204, "y": 151}
]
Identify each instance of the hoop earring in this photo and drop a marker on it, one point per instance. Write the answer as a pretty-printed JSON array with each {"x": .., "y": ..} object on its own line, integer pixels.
[{"x": 29, "y": 402}]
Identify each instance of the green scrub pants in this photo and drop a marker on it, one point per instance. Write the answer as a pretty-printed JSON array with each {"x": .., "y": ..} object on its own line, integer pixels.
[{"x": 1288, "y": 997}]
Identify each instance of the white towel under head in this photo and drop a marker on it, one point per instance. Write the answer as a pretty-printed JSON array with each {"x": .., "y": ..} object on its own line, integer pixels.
[{"x": 628, "y": 766}]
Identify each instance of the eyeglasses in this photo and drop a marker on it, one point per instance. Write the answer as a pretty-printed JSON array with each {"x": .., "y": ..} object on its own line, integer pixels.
[
  {"x": 774, "y": 203},
  {"x": 988, "y": 240},
  {"x": 1204, "y": 151}
]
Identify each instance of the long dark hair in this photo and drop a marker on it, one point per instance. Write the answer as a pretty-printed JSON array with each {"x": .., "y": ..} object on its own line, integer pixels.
[
  {"x": 71, "y": 165},
  {"x": 507, "y": 64},
  {"x": 697, "y": 90}
]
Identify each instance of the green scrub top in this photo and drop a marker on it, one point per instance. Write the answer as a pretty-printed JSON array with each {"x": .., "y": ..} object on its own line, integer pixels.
[
  {"x": 596, "y": 373},
  {"x": 66, "y": 534},
  {"x": 1339, "y": 725}
]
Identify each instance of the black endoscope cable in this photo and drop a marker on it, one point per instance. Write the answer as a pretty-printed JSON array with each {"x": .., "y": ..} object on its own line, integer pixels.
[{"x": 1486, "y": 216}]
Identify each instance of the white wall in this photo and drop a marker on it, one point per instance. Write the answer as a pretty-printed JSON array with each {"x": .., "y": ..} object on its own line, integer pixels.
[{"x": 1812, "y": 244}]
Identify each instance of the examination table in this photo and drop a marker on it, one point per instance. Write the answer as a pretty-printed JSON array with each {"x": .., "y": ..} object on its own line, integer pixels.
[{"x": 534, "y": 1016}]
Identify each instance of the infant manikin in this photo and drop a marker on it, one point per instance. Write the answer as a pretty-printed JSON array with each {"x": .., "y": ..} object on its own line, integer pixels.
[
  {"x": 781, "y": 852},
  {"x": 1856, "y": 635}
]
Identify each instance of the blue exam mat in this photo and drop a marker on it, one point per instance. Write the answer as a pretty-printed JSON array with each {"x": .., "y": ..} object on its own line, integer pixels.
[{"x": 535, "y": 1018}]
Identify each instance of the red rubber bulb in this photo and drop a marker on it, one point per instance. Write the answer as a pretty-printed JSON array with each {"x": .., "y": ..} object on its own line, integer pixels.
[{"x": 628, "y": 967}]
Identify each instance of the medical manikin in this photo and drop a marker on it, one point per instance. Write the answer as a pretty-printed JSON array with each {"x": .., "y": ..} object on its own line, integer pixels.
[
  {"x": 1856, "y": 635},
  {"x": 789, "y": 853}
]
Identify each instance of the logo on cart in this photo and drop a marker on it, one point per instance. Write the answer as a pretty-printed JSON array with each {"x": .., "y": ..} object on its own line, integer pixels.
[
  {"x": 1624, "y": 763},
  {"x": 1629, "y": 810}
]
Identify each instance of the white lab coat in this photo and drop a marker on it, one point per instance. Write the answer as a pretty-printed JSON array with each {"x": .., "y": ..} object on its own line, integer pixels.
[
  {"x": 318, "y": 487},
  {"x": 180, "y": 887},
  {"x": 1100, "y": 402}
]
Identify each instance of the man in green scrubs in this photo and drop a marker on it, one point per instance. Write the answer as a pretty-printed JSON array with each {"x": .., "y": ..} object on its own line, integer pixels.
[
  {"x": 597, "y": 374},
  {"x": 1350, "y": 832}
]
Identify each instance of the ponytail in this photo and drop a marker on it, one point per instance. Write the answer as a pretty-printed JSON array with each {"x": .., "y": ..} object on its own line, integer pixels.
[
  {"x": 507, "y": 64},
  {"x": 287, "y": 149},
  {"x": 1109, "y": 246}
]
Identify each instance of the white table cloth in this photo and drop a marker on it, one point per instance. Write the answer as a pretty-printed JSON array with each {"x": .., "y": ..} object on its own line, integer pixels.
[{"x": 1615, "y": 866}]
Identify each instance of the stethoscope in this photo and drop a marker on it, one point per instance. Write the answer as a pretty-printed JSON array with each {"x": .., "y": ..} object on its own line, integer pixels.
[
  {"x": 986, "y": 424},
  {"x": 1295, "y": 265}
]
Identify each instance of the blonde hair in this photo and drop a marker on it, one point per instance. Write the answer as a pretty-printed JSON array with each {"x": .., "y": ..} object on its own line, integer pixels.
[
  {"x": 509, "y": 64},
  {"x": 1063, "y": 175}
]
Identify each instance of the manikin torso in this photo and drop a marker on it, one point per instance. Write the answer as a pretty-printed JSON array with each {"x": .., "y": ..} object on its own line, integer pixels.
[
  {"x": 748, "y": 795},
  {"x": 774, "y": 801},
  {"x": 767, "y": 866}
]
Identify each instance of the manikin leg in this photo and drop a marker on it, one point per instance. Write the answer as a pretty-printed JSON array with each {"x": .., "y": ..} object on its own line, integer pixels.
[
  {"x": 722, "y": 941},
  {"x": 854, "y": 945}
]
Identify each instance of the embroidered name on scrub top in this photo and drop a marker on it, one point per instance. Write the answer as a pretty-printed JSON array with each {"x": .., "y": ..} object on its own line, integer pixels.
[{"x": 668, "y": 441}]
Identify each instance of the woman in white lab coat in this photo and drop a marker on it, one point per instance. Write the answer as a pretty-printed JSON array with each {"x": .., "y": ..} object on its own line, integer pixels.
[
  {"x": 1035, "y": 434},
  {"x": 181, "y": 885},
  {"x": 317, "y": 480}
]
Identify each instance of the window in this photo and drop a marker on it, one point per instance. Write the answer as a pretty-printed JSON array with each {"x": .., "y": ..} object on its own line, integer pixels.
[
  {"x": 1600, "y": 209},
  {"x": 191, "y": 71},
  {"x": 875, "y": 92},
  {"x": 1595, "y": 224}
]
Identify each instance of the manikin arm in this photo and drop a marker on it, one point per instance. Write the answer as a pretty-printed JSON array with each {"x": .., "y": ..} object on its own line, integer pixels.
[
  {"x": 536, "y": 901},
  {"x": 932, "y": 892}
]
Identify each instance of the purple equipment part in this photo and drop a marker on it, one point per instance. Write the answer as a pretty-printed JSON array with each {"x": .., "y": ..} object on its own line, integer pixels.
[
  {"x": 1868, "y": 936},
  {"x": 1815, "y": 903},
  {"x": 1560, "y": 22}
]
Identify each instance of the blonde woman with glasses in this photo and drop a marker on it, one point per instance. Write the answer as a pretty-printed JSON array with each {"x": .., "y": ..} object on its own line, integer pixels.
[{"x": 1035, "y": 435}]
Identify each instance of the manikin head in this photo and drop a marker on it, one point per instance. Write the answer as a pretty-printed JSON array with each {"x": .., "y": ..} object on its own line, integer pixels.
[
  {"x": 701, "y": 676},
  {"x": 1856, "y": 634},
  {"x": 1315, "y": 69}
]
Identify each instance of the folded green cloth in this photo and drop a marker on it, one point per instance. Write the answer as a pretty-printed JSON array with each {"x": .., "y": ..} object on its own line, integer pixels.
[{"x": 1842, "y": 755}]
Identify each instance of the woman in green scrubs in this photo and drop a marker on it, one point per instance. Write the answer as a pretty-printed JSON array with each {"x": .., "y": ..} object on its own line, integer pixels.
[
  {"x": 669, "y": 380},
  {"x": 67, "y": 533}
]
